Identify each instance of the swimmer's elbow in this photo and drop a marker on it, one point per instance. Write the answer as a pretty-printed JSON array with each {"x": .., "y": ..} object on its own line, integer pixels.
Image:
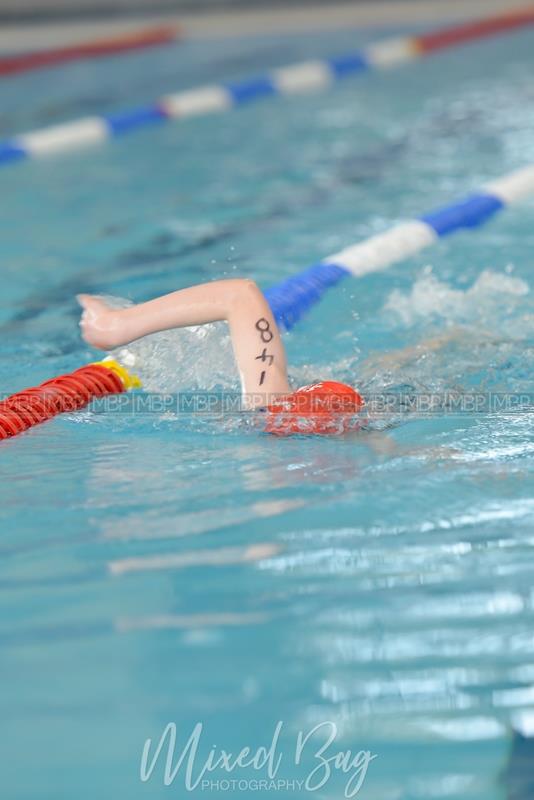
[
  {"x": 246, "y": 292},
  {"x": 248, "y": 286}
]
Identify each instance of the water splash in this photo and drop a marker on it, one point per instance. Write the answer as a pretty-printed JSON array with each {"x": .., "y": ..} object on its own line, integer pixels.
[
  {"x": 193, "y": 359},
  {"x": 493, "y": 295}
]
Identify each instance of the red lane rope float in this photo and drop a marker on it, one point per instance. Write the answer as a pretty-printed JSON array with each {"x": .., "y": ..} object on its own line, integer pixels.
[
  {"x": 151, "y": 37},
  {"x": 72, "y": 392},
  {"x": 471, "y": 31}
]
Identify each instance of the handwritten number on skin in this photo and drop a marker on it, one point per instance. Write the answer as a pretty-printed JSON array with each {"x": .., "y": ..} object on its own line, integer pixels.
[
  {"x": 265, "y": 330},
  {"x": 265, "y": 357},
  {"x": 266, "y": 335}
]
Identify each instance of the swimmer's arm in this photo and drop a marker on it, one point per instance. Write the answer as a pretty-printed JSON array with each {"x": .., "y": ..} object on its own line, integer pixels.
[
  {"x": 384, "y": 446},
  {"x": 405, "y": 355},
  {"x": 256, "y": 340}
]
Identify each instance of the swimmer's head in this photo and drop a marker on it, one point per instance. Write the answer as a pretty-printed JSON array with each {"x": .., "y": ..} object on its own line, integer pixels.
[{"x": 324, "y": 408}]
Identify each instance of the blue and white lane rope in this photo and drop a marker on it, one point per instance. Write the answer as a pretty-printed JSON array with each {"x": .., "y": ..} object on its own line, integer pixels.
[
  {"x": 290, "y": 299},
  {"x": 298, "y": 78},
  {"x": 294, "y": 79}
]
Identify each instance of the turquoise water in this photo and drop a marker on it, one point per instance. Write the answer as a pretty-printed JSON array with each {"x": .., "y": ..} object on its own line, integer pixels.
[{"x": 161, "y": 567}]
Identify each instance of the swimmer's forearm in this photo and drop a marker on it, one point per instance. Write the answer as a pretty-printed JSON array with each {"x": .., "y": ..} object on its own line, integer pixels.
[
  {"x": 197, "y": 305},
  {"x": 256, "y": 341}
]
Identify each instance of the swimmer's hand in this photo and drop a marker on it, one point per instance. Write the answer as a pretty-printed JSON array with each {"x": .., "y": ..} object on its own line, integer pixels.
[{"x": 100, "y": 324}]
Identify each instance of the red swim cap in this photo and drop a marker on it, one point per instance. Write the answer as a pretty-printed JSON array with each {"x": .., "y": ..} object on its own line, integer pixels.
[{"x": 323, "y": 408}]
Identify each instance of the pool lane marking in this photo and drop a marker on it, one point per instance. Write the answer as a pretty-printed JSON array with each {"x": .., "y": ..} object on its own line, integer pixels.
[
  {"x": 97, "y": 48},
  {"x": 294, "y": 79},
  {"x": 293, "y": 297}
]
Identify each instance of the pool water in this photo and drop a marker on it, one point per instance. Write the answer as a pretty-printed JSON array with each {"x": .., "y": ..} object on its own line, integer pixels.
[{"x": 178, "y": 568}]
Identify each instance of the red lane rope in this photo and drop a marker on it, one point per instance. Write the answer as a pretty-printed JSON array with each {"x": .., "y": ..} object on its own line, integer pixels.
[
  {"x": 70, "y": 392},
  {"x": 104, "y": 47},
  {"x": 474, "y": 30}
]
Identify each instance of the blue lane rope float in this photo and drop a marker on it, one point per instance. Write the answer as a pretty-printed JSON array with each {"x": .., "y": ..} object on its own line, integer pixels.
[
  {"x": 291, "y": 298},
  {"x": 294, "y": 79}
]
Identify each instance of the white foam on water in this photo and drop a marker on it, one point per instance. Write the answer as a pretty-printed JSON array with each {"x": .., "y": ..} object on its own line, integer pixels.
[
  {"x": 492, "y": 295},
  {"x": 195, "y": 359}
]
